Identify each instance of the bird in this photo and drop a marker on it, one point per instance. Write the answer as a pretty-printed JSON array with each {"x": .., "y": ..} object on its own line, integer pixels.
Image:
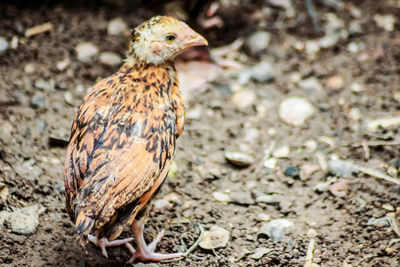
[{"x": 123, "y": 139}]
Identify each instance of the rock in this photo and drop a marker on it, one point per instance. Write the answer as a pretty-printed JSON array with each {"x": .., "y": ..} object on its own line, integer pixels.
[
  {"x": 321, "y": 187},
  {"x": 340, "y": 188},
  {"x": 388, "y": 207},
  {"x": 86, "y": 51},
  {"x": 259, "y": 253},
  {"x": 4, "y": 191},
  {"x": 29, "y": 68},
  {"x": 357, "y": 87},
  {"x": 6, "y": 131},
  {"x": 385, "y": 122},
  {"x": 69, "y": 98},
  {"x": 25, "y": 221},
  {"x": 263, "y": 217},
  {"x": 117, "y": 26},
  {"x": 110, "y": 59},
  {"x": 310, "y": 145},
  {"x": 385, "y": 22},
  {"x": 28, "y": 170},
  {"x": 341, "y": 168},
  {"x": 262, "y": 72},
  {"x": 3, "y": 44},
  {"x": 295, "y": 110},
  {"x": 312, "y": 48},
  {"x": 160, "y": 204},
  {"x": 239, "y": 159},
  {"x": 307, "y": 170},
  {"x": 244, "y": 98},
  {"x": 380, "y": 222},
  {"x": 241, "y": 198},
  {"x": 45, "y": 85},
  {"x": 63, "y": 64},
  {"x": 194, "y": 113},
  {"x": 276, "y": 229},
  {"x": 281, "y": 152},
  {"x": 292, "y": 171},
  {"x": 14, "y": 42},
  {"x": 269, "y": 199},
  {"x": 222, "y": 197},
  {"x": 216, "y": 237},
  {"x": 270, "y": 163},
  {"x": 173, "y": 170},
  {"x": 335, "y": 83},
  {"x": 4, "y": 215},
  {"x": 38, "y": 101},
  {"x": 311, "y": 84},
  {"x": 258, "y": 41}
]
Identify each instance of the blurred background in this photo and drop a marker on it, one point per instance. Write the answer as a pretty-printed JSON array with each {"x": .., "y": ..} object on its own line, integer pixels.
[{"x": 290, "y": 153}]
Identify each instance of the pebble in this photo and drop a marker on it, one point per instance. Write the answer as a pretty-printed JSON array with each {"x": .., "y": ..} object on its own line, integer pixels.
[
  {"x": 244, "y": 98},
  {"x": 311, "y": 84},
  {"x": 14, "y": 42},
  {"x": 340, "y": 188},
  {"x": 160, "y": 204},
  {"x": 385, "y": 122},
  {"x": 269, "y": 199},
  {"x": 341, "y": 168},
  {"x": 335, "y": 83},
  {"x": 25, "y": 221},
  {"x": 261, "y": 72},
  {"x": 281, "y": 152},
  {"x": 49, "y": 85},
  {"x": 312, "y": 48},
  {"x": 307, "y": 170},
  {"x": 388, "y": 206},
  {"x": 6, "y": 131},
  {"x": 38, "y": 101},
  {"x": 29, "y": 68},
  {"x": 385, "y": 22},
  {"x": 216, "y": 237},
  {"x": 3, "y": 44},
  {"x": 270, "y": 163},
  {"x": 28, "y": 170},
  {"x": 4, "y": 192},
  {"x": 117, "y": 26},
  {"x": 292, "y": 171},
  {"x": 86, "y": 51},
  {"x": 258, "y": 41},
  {"x": 275, "y": 229},
  {"x": 357, "y": 87},
  {"x": 263, "y": 217},
  {"x": 380, "y": 222},
  {"x": 295, "y": 110},
  {"x": 321, "y": 187},
  {"x": 310, "y": 145},
  {"x": 69, "y": 99},
  {"x": 222, "y": 197},
  {"x": 239, "y": 159},
  {"x": 259, "y": 253},
  {"x": 173, "y": 169},
  {"x": 63, "y": 64},
  {"x": 110, "y": 59},
  {"x": 241, "y": 198}
]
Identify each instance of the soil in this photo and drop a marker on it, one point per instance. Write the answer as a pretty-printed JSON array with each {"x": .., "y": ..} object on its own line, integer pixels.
[{"x": 33, "y": 140}]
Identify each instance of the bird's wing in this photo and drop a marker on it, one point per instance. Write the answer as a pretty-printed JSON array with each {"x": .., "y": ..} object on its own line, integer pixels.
[{"x": 116, "y": 154}]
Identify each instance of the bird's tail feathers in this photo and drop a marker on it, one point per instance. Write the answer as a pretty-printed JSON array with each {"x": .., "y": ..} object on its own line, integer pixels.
[{"x": 83, "y": 226}]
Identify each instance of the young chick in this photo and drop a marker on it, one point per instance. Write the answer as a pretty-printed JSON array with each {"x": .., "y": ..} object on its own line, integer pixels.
[{"x": 123, "y": 139}]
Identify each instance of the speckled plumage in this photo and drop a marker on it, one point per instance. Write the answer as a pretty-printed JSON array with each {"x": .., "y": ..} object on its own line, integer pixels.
[{"x": 124, "y": 136}]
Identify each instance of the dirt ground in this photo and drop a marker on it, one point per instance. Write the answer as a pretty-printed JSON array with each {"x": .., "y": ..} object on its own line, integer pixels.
[{"x": 38, "y": 102}]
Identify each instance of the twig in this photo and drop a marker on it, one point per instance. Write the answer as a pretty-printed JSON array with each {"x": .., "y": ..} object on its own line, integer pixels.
[
  {"x": 195, "y": 244},
  {"x": 310, "y": 253},
  {"x": 378, "y": 174},
  {"x": 366, "y": 149}
]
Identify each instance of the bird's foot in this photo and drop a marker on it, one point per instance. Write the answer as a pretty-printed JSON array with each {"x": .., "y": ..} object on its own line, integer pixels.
[
  {"x": 103, "y": 243},
  {"x": 146, "y": 252}
]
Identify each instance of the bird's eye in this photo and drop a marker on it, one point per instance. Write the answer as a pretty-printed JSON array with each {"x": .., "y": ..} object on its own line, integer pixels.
[{"x": 170, "y": 38}]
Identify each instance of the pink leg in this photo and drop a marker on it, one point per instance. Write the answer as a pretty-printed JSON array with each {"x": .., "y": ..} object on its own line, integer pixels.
[
  {"x": 146, "y": 252},
  {"x": 103, "y": 243}
]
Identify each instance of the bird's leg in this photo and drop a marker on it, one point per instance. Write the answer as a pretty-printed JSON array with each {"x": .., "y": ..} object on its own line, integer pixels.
[
  {"x": 103, "y": 243},
  {"x": 146, "y": 252}
]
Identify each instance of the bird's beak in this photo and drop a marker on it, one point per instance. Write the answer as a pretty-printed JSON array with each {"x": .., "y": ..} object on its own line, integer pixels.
[{"x": 194, "y": 39}]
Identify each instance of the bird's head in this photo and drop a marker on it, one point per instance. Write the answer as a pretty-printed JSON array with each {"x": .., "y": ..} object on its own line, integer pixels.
[{"x": 161, "y": 38}]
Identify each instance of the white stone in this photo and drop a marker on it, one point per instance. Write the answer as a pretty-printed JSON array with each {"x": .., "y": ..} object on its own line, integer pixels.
[
  {"x": 385, "y": 22},
  {"x": 258, "y": 41},
  {"x": 222, "y": 197},
  {"x": 244, "y": 98},
  {"x": 216, "y": 237},
  {"x": 281, "y": 152},
  {"x": 295, "y": 110},
  {"x": 25, "y": 221},
  {"x": 86, "y": 51},
  {"x": 117, "y": 26},
  {"x": 110, "y": 59},
  {"x": 3, "y": 44}
]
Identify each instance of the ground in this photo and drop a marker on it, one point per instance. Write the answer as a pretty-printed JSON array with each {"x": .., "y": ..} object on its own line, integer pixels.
[{"x": 38, "y": 102}]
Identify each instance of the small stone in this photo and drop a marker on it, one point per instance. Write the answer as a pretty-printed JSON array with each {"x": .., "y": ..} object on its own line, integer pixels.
[
  {"x": 327, "y": 140},
  {"x": 262, "y": 72},
  {"x": 241, "y": 198},
  {"x": 310, "y": 145},
  {"x": 216, "y": 237},
  {"x": 14, "y": 42},
  {"x": 335, "y": 83},
  {"x": 117, "y": 26},
  {"x": 173, "y": 170},
  {"x": 295, "y": 110},
  {"x": 340, "y": 188},
  {"x": 63, "y": 64},
  {"x": 222, "y": 197},
  {"x": 270, "y": 163},
  {"x": 269, "y": 199},
  {"x": 292, "y": 171},
  {"x": 3, "y": 44},
  {"x": 355, "y": 114},
  {"x": 160, "y": 204},
  {"x": 86, "y": 51},
  {"x": 259, "y": 253},
  {"x": 244, "y": 98},
  {"x": 385, "y": 122},
  {"x": 329, "y": 40},
  {"x": 45, "y": 85},
  {"x": 321, "y": 187},
  {"x": 388, "y": 207},
  {"x": 385, "y": 22},
  {"x": 307, "y": 170},
  {"x": 312, "y": 233},
  {"x": 69, "y": 98},
  {"x": 312, "y": 48},
  {"x": 38, "y": 101},
  {"x": 29, "y": 68},
  {"x": 281, "y": 152},
  {"x": 258, "y": 41},
  {"x": 28, "y": 170},
  {"x": 110, "y": 59},
  {"x": 263, "y": 217},
  {"x": 4, "y": 191},
  {"x": 341, "y": 168},
  {"x": 194, "y": 113},
  {"x": 239, "y": 159},
  {"x": 6, "y": 131},
  {"x": 25, "y": 221},
  {"x": 311, "y": 84},
  {"x": 275, "y": 229},
  {"x": 356, "y": 87},
  {"x": 379, "y": 222}
]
